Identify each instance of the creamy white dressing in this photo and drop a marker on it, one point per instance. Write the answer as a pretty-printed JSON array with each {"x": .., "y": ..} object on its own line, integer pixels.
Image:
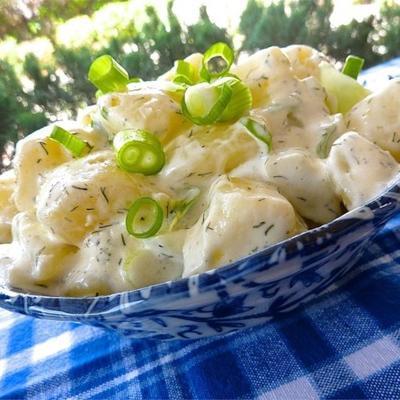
[
  {"x": 243, "y": 217},
  {"x": 62, "y": 220},
  {"x": 146, "y": 105},
  {"x": 7, "y": 204},
  {"x": 359, "y": 169},
  {"x": 36, "y": 154},
  {"x": 377, "y": 118},
  {"x": 304, "y": 180}
]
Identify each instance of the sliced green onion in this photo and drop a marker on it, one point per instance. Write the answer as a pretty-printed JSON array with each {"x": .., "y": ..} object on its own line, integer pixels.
[
  {"x": 107, "y": 75},
  {"x": 204, "y": 103},
  {"x": 138, "y": 151},
  {"x": 240, "y": 102},
  {"x": 353, "y": 66},
  {"x": 72, "y": 143},
  {"x": 185, "y": 73},
  {"x": 258, "y": 130},
  {"x": 144, "y": 219},
  {"x": 181, "y": 207},
  {"x": 204, "y": 75},
  {"x": 230, "y": 75},
  {"x": 225, "y": 99},
  {"x": 218, "y": 59},
  {"x": 134, "y": 80},
  {"x": 328, "y": 137},
  {"x": 174, "y": 90}
]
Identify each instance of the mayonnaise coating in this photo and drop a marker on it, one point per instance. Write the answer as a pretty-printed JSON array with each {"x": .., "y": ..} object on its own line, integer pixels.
[
  {"x": 360, "y": 170},
  {"x": 238, "y": 209},
  {"x": 7, "y": 205},
  {"x": 146, "y": 105},
  {"x": 39, "y": 257},
  {"x": 63, "y": 219},
  {"x": 304, "y": 60},
  {"x": 304, "y": 180},
  {"x": 37, "y": 153},
  {"x": 263, "y": 71},
  {"x": 201, "y": 154},
  {"x": 297, "y": 116},
  {"x": 377, "y": 118},
  {"x": 84, "y": 195}
]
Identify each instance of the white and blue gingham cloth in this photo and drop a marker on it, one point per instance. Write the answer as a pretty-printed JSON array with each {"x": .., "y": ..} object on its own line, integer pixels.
[{"x": 345, "y": 344}]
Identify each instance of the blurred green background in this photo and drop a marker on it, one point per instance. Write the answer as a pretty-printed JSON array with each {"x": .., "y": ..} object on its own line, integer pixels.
[{"x": 46, "y": 46}]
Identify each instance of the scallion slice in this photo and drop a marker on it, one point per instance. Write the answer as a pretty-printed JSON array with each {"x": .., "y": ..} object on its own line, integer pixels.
[
  {"x": 174, "y": 90},
  {"x": 107, "y": 75},
  {"x": 134, "y": 80},
  {"x": 328, "y": 137},
  {"x": 204, "y": 103},
  {"x": 204, "y": 75},
  {"x": 352, "y": 66},
  {"x": 240, "y": 102},
  {"x": 138, "y": 151},
  {"x": 182, "y": 206},
  {"x": 144, "y": 219},
  {"x": 258, "y": 130},
  {"x": 185, "y": 73},
  {"x": 225, "y": 99},
  {"x": 72, "y": 143},
  {"x": 217, "y": 60}
]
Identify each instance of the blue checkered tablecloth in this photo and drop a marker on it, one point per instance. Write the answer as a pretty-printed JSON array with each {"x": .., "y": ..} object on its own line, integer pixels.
[{"x": 344, "y": 345}]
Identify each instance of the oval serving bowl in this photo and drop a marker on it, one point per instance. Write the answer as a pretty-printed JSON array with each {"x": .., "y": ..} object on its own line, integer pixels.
[{"x": 246, "y": 293}]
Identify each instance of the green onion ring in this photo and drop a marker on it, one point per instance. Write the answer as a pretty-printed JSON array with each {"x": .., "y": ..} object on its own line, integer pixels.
[
  {"x": 241, "y": 99},
  {"x": 72, "y": 143},
  {"x": 174, "y": 90},
  {"x": 352, "y": 66},
  {"x": 218, "y": 59},
  {"x": 107, "y": 75},
  {"x": 134, "y": 80},
  {"x": 139, "y": 151},
  {"x": 258, "y": 130},
  {"x": 185, "y": 73},
  {"x": 144, "y": 218},
  {"x": 327, "y": 139},
  {"x": 191, "y": 100},
  {"x": 183, "y": 205}
]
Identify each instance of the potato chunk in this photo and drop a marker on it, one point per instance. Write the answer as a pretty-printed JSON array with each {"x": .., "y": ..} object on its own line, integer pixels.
[
  {"x": 243, "y": 216},
  {"x": 377, "y": 118},
  {"x": 7, "y": 205},
  {"x": 359, "y": 169},
  {"x": 263, "y": 71},
  {"x": 288, "y": 97},
  {"x": 304, "y": 60},
  {"x": 98, "y": 264},
  {"x": 110, "y": 260},
  {"x": 38, "y": 257},
  {"x": 200, "y": 155},
  {"x": 37, "y": 153},
  {"x": 145, "y": 106},
  {"x": 297, "y": 116},
  {"x": 84, "y": 194},
  {"x": 304, "y": 180}
]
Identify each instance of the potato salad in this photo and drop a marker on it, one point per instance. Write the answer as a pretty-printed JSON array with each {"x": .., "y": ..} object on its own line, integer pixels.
[{"x": 212, "y": 162}]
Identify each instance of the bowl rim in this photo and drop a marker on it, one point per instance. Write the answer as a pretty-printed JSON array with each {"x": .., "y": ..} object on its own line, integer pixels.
[{"x": 166, "y": 289}]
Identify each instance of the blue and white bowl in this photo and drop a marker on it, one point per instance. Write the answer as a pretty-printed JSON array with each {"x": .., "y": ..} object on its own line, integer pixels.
[{"x": 245, "y": 293}]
